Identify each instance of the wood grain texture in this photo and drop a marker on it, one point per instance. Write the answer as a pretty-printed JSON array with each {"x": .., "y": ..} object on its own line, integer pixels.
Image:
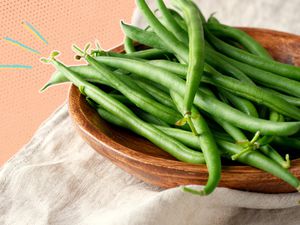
[{"x": 144, "y": 160}]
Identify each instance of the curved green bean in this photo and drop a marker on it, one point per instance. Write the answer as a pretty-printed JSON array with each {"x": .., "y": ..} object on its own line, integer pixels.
[
  {"x": 128, "y": 45},
  {"x": 240, "y": 103},
  {"x": 195, "y": 68},
  {"x": 148, "y": 38},
  {"x": 290, "y": 99},
  {"x": 207, "y": 144},
  {"x": 171, "y": 23}
]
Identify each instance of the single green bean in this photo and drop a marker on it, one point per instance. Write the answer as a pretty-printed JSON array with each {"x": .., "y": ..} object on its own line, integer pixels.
[
  {"x": 149, "y": 118},
  {"x": 155, "y": 92},
  {"x": 147, "y": 38},
  {"x": 269, "y": 151},
  {"x": 149, "y": 54},
  {"x": 287, "y": 142},
  {"x": 128, "y": 45},
  {"x": 121, "y": 98},
  {"x": 88, "y": 73},
  {"x": 171, "y": 23},
  {"x": 111, "y": 118},
  {"x": 207, "y": 144},
  {"x": 240, "y": 103},
  {"x": 195, "y": 68},
  {"x": 290, "y": 99},
  {"x": 179, "y": 20}
]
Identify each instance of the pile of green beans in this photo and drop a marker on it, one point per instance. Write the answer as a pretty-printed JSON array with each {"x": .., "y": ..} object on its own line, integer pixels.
[{"x": 200, "y": 90}]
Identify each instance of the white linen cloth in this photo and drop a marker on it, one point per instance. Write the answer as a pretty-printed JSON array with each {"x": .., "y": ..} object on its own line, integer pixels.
[{"x": 58, "y": 179}]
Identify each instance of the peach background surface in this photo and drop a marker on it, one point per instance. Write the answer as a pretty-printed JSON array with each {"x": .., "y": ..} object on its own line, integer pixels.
[{"x": 23, "y": 108}]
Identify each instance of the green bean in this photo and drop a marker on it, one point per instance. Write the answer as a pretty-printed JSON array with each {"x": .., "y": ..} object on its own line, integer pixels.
[
  {"x": 240, "y": 103},
  {"x": 88, "y": 73},
  {"x": 274, "y": 116},
  {"x": 179, "y": 20},
  {"x": 169, "y": 40},
  {"x": 149, "y": 54},
  {"x": 128, "y": 45},
  {"x": 150, "y": 118},
  {"x": 122, "y": 99},
  {"x": 173, "y": 67},
  {"x": 144, "y": 102},
  {"x": 111, "y": 118},
  {"x": 171, "y": 23},
  {"x": 266, "y": 78},
  {"x": 233, "y": 131},
  {"x": 148, "y": 38},
  {"x": 202, "y": 100},
  {"x": 223, "y": 98},
  {"x": 292, "y": 100},
  {"x": 239, "y": 35},
  {"x": 208, "y": 146},
  {"x": 157, "y": 137},
  {"x": 195, "y": 68},
  {"x": 187, "y": 137},
  {"x": 191, "y": 140},
  {"x": 155, "y": 92},
  {"x": 285, "y": 70},
  {"x": 274, "y": 155},
  {"x": 181, "y": 70},
  {"x": 289, "y": 142},
  {"x": 142, "y": 54}
]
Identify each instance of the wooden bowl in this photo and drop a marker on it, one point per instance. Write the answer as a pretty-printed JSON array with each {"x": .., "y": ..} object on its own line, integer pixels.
[{"x": 142, "y": 159}]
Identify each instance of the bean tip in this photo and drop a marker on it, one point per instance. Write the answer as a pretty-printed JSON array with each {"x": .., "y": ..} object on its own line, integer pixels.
[{"x": 193, "y": 191}]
